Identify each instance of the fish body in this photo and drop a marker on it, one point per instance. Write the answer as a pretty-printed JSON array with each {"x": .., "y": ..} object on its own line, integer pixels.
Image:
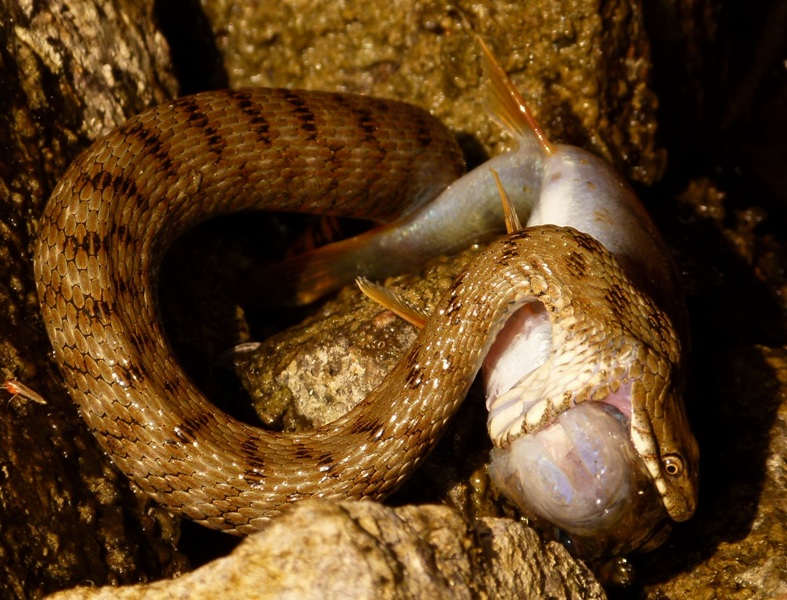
[{"x": 566, "y": 186}]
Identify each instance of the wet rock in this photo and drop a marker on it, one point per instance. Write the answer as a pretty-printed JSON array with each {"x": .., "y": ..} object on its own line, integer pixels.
[
  {"x": 70, "y": 72},
  {"x": 736, "y": 545},
  {"x": 365, "y": 550},
  {"x": 582, "y": 66},
  {"x": 315, "y": 372}
]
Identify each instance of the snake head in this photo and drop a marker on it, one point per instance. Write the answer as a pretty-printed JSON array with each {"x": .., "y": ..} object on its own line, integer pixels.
[
  {"x": 660, "y": 429},
  {"x": 592, "y": 438}
]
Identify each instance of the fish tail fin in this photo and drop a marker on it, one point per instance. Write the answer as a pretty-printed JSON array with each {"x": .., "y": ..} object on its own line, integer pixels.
[
  {"x": 506, "y": 104},
  {"x": 307, "y": 277}
]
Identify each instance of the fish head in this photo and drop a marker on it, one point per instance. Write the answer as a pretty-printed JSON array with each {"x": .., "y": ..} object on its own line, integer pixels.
[{"x": 581, "y": 478}]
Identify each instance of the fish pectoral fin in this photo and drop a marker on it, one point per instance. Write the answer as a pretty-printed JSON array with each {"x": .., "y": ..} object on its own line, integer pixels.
[
  {"x": 506, "y": 104},
  {"x": 392, "y": 301}
]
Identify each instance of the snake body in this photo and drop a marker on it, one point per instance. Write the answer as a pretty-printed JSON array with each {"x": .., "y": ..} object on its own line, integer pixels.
[
  {"x": 122, "y": 203},
  {"x": 103, "y": 234}
]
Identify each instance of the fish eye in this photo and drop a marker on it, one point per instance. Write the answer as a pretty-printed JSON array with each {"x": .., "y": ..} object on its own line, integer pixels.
[{"x": 673, "y": 464}]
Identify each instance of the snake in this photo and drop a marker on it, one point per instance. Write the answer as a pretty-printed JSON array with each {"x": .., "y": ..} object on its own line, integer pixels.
[{"x": 121, "y": 204}]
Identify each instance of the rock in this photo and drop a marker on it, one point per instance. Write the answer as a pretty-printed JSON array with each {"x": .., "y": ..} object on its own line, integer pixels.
[
  {"x": 365, "y": 550},
  {"x": 70, "y": 72},
  {"x": 736, "y": 546},
  {"x": 315, "y": 372},
  {"x": 585, "y": 76}
]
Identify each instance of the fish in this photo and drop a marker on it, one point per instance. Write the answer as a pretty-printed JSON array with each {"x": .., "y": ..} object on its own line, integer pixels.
[{"x": 575, "y": 469}]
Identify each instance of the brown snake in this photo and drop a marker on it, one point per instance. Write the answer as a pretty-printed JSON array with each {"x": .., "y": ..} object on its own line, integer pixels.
[{"x": 122, "y": 203}]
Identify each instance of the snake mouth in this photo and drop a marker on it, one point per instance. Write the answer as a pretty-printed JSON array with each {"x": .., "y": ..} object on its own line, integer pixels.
[{"x": 576, "y": 474}]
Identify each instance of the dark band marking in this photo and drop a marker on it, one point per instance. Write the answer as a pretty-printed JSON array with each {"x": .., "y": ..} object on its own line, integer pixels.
[
  {"x": 253, "y": 112},
  {"x": 302, "y": 452},
  {"x": 302, "y": 112},
  {"x": 576, "y": 264},
  {"x": 153, "y": 145},
  {"x": 618, "y": 300},
  {"x": 198, "y": 119},
  {"x": 187, "y": 431}
]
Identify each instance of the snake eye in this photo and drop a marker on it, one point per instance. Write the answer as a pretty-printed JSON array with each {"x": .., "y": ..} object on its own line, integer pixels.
[{"x": 673, "y": 464}]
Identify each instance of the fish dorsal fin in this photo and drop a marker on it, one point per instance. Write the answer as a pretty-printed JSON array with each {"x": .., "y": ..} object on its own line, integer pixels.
[
  {"x": 507, "y": 105},
  {"x": 393, "y": 302},
  {"x": 509, "y": 210}
]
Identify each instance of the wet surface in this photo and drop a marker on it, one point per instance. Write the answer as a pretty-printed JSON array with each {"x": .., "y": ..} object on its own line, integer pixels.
[{"x": 720, "y": 77}]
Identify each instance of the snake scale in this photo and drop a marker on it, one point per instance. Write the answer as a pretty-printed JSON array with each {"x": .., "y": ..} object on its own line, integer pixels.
[{"x": 122, "y": 203}]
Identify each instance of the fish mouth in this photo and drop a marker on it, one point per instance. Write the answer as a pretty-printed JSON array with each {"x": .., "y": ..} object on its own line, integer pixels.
[{"x": 579, "y": 475}]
